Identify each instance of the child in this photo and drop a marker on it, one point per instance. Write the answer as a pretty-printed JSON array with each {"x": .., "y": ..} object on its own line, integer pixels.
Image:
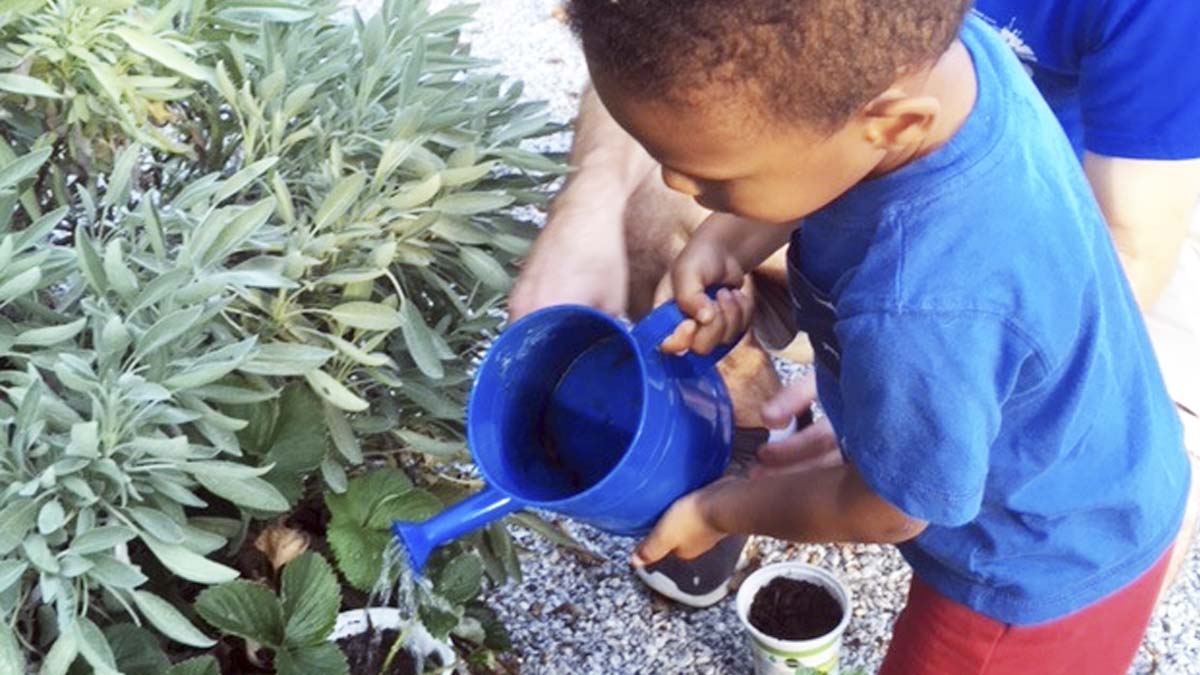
[{"x": 980, "y": 355}]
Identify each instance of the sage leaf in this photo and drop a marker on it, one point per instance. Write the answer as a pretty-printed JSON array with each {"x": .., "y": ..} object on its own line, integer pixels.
[
  {"x": 161, "y": 51},
  {"x": 343, "y": 436},
  {"x": 109, "y": 571},
  {"x": 471, "y": 203},
  {"x": 367, "y": 316},
  {"x": 38, "y": 552},
  {"x": 485, "y": 268},
  {"x": 187, "y": 564},
  {"x": 22, "y": 168},
  {"x": 420, "y": 342},
  {"x": 89, "y": 262},
  {"x": 170, "y": 621},
  {"x": 50, "y": 517},
  {"x": 100, "y": 539},
  {"x": 16, "y": 520},
  {"x": 340, "y": 199},
  {"x": 286, "y": 358},
  {"x": 11, "y": 572},
  {"x": 335, "y": 392},
  {"x": 61, "y": 655},
  {"x": 93, "y": 647},
  {"x": 417, "y": 193},
  {"x": 27, "y": 86},
  {"x": 167, "y": 329},
  {"x": 238, "y": 181},
  {"x": 158, "y": 524},
  {"x": 50, "y": 335},
  {"x": 121, "y": 176},
  {"x": 20, "y": 285},
  {"x": 12, "y": 659},
  {"x": 237, "y": 486}
]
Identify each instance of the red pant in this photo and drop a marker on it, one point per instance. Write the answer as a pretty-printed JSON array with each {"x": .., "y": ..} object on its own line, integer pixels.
[{"x": 937, "y": 636}]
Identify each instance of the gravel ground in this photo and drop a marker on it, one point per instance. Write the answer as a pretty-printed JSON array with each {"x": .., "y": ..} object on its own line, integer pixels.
[{"x": 573, "y": 615}]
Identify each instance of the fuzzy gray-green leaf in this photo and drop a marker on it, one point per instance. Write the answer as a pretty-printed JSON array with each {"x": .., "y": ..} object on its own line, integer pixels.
[{"x": 170, "y": 621}]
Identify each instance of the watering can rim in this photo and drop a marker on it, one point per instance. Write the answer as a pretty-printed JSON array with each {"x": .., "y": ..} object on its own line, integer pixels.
[{"x": 626, "y": 332}]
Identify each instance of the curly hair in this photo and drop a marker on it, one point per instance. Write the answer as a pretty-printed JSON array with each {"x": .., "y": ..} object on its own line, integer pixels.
[{"x": 810, "y": 61}]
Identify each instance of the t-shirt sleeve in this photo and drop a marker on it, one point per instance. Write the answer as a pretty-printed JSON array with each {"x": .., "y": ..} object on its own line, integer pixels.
[
  {"x": 922, "y": 395},
  {"x": 1139, "y": 80}
]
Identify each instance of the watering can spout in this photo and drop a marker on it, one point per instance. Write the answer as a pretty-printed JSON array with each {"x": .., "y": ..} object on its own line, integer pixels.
[{"x": 420, "y": 539}]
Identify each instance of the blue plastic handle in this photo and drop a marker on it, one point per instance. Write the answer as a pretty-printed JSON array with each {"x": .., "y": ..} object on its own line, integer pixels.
[
  {"x": 472, "y": 513},
  {"x": 662, "y": 322}
]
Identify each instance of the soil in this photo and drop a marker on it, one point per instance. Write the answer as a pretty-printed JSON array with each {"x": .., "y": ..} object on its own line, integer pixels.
[
  {"x": 367, "y": 651},
  {"x": 791, "y": 609}
]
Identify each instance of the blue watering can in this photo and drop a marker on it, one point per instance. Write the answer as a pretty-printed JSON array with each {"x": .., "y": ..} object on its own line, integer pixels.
[{"x": 574, "y": 413}]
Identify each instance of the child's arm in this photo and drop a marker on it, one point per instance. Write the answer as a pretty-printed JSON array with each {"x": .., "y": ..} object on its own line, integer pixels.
[
  {"x": 822, "y": 505},
  {"x": 722, "y": 251}
]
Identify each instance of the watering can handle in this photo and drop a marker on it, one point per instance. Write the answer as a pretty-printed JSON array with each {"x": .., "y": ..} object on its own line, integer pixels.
[{"x": 659, "y": 324}]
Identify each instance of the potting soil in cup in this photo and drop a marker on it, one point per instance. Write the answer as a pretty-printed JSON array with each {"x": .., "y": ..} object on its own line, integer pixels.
[
  {"x": 793, "y": 609},
  {"x": 794, "y": 615}
]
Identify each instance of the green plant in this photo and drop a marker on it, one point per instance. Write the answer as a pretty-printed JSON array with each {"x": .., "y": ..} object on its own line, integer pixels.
[
  {"x": 289, "y": 273},
  {"x": 361, "y": 518},
  {"x": 294, "y": 625}
]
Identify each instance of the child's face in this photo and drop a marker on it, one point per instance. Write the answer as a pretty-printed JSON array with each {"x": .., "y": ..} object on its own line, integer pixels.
[{"x": 730, "y": 159}]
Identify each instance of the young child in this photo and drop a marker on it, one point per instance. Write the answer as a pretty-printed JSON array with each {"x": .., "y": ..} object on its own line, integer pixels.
[{"x": 980, "y": 356}]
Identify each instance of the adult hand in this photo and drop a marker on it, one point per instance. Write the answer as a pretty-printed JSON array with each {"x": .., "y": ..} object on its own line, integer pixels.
[
  {"x": 566, "y": 266},
  {"x": 813, "y": 447}
]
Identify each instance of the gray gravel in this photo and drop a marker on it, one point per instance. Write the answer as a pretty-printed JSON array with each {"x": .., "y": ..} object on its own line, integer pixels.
[{"x": 575, "y": 616}]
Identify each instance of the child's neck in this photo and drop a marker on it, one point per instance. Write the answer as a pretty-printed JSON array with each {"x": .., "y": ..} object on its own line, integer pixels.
[{"x": 952, "y": 81}]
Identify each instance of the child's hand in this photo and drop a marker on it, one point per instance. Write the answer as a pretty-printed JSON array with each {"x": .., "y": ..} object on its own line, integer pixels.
[
  {"x": 712, "y": 322},
  {"x": 684, "y": 530}
]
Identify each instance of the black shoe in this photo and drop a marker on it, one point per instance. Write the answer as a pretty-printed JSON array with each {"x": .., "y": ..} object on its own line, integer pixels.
[{"x": 700, "y": 582}]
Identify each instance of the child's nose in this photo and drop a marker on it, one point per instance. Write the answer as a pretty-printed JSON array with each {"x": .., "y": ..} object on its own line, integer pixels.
[{"x": 681, "y": 183}]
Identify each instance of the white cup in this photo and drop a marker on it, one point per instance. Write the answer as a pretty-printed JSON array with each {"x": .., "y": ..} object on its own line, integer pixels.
[{"x": 773, "y": 656}]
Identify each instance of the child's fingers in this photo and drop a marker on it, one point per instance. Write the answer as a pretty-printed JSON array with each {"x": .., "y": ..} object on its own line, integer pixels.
[
  {"x": 792, "y": 401},
  {"x": 681, "y": 340},
  {"x": 738, "y": 309},
  {"x": 653, "y": 548},
  {"x": 693, "y": 301},
  {"x": 711, "y": 334}
]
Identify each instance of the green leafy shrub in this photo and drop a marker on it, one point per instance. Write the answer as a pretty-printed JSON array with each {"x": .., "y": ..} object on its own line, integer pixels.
[{"x": 242, "y": 245}]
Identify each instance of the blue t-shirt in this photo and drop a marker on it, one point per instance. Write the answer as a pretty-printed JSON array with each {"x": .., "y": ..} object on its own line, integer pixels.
[
  {"x": 984, "y": 364},
  {"x": 1122, "y": 76}
]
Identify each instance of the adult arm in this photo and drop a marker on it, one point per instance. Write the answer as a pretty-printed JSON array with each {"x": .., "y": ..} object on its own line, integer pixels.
[
  {"x": 1149, "y": 205},
  {"x": 580, "y": 256}
]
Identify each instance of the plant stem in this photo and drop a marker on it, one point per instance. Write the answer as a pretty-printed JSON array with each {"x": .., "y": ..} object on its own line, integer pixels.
[{"x": 396, "y": 647}]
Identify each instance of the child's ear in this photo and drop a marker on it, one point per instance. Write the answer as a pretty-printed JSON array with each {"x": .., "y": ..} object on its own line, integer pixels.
[{"x": 895, "y": 120}]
